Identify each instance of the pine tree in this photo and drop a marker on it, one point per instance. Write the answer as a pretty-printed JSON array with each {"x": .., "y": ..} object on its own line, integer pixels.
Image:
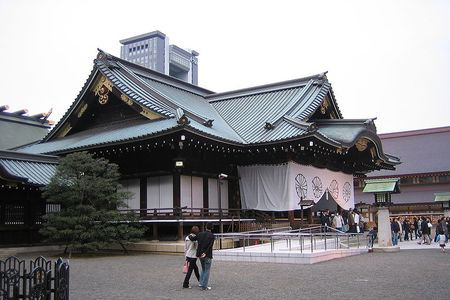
[{"x": 89, "y": 194}]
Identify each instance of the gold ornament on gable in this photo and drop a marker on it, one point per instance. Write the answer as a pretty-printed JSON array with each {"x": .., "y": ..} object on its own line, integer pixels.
[
  {"x": 102, "y": 89},
  {"x": 361, "y": 144}
]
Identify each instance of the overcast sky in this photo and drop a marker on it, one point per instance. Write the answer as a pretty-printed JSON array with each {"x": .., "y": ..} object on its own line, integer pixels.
[{"x": 385, "y": 59}]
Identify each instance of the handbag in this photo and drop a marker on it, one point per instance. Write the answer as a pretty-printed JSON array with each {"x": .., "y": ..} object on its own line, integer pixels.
[{"x": 185, "y": 267}]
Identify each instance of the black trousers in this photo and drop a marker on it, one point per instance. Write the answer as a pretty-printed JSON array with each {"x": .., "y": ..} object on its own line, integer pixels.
[{"x": 192, "y": 267}]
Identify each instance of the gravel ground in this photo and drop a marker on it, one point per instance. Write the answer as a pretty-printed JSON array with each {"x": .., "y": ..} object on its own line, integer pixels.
[{"x": 413, "y": 274}]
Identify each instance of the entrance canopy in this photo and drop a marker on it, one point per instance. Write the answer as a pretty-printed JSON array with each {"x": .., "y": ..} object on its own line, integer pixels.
[
  {"x": 282, "y": 187},
  {"x": 442, "y": 197},
  {"x": 382, "y": 185}
]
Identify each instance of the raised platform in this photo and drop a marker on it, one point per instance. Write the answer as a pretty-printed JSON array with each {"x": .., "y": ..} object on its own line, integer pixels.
[
  {"x": 288, "y": 257},
  {"x": 289, "y": 252}
]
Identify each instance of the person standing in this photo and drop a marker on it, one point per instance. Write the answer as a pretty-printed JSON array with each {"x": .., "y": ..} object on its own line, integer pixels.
[
  {"x": 204, "y": 252},
  {"x": 337, "y": 221},
  {"x": 344, "y": 221},
  {"x": 356, "y": 219},
  {"x": 395, "y": 228},
  {"x": 190, "y": 250},
  {"x": 416, "y": 227},
  {"x": 424, "y": 227},
  {"x": 441, "y": 229},
  {"x": 400, "y": 233},
  {"x": 448, "y": 229},
  {"x": 351, "y": 221},
  {"x": 406, "y": 229}
]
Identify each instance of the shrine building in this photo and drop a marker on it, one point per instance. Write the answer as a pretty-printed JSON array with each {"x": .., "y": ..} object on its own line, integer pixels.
[{"x": 181, "y": 148}]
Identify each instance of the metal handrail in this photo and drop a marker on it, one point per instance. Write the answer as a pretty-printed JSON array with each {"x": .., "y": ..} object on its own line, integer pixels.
[{"x": 317, "y": 240}]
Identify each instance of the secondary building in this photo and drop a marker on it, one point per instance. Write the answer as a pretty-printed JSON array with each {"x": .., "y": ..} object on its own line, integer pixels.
[{"x": 424, "y": 172}]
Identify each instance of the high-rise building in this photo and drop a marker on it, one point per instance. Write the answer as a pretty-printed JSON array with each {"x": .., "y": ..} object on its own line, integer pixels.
[{"x": 152, "y": 50}]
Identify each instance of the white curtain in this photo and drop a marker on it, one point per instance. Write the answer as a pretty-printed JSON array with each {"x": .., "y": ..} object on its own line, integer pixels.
[{"x": 280, "y": 187}]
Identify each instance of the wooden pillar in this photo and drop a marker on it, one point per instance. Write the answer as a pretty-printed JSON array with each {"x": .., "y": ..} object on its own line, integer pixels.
[
  {"x": 155, "y": 231},
  {"x": 309, "y": 216},
  {"x": 2, "y": 209},
  {"x": 291, "y": 218},
  {"x": 143, "y": 196},
  {"x": 176, "y": 190},
  {"x": 205, "y": 193},
  {"x": 180, "y": 231},
  {"x": 28, "y": 216}
]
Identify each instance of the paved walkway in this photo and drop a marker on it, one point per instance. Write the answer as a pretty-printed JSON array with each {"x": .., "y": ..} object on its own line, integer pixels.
[
  {"x": 408, "y": 274},
  {"x": 413, "y": 245}
]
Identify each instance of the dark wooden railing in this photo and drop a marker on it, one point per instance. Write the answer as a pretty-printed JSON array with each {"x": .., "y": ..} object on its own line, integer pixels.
[{"x": 184, "y": 213}]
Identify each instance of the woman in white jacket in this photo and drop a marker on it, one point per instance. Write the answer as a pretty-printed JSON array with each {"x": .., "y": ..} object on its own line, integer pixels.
[{"x": 190, "y": 250}]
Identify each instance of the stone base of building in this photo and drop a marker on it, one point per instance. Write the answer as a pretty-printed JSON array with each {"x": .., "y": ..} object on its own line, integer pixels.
[
  {"x": 287, "y": 258},
  {"x": 386, "y": 249}
]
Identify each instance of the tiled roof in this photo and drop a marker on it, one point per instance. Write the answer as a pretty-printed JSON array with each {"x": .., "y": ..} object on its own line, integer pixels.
[
  {"x": 252, "y": 116},
  {"x": 298, "y": 101},
  {"x": 29, "y": 169}
]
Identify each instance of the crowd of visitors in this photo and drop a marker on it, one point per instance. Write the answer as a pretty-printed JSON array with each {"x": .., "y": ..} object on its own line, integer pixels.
[
  {"x": 349, "y": 221},
  {"x": 420, "y": 229},
  {"x": 403, "y": 229}
]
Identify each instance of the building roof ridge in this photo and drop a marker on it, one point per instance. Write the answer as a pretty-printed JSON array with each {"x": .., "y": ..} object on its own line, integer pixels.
[
  {"x": 158, "y": 76},
  {"x": 24, "y": 156},
  {"x": 140, "y": 36},
  {"x": 414, "y": 132},
  {"x": 265, "y": 88}
]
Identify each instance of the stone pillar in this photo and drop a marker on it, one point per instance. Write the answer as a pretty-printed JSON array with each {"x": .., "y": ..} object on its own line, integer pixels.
[
  {"x": 447, "y": 213},
  {"x": 155, "y": 231},
  {"x": 180, "y": 231},
  {"x": 384, "y": 228}
]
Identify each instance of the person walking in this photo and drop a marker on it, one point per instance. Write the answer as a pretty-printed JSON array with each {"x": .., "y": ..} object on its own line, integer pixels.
[
  {"x": 204, "y": 252},
  {"x": 190, "y": 250}
]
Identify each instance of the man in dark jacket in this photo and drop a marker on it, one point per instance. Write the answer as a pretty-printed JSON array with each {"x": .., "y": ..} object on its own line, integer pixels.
[
  {"x": 395, "y": 228},
  {"x": 204, "y": 252},
  {"x": 425, "y": 231}
]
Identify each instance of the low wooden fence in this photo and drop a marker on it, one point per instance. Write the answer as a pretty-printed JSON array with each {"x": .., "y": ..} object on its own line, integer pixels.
[{"x": 39, "y": 281}]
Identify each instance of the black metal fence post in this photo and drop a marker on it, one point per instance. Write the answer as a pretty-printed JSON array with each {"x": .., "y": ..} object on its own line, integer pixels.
[{"x": 18, "y": 283}]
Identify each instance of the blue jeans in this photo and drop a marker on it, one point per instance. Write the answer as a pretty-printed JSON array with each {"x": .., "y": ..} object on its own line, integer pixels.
[
  {"x": 204, "y": 276},
  {"x": 394, "y": 238}
]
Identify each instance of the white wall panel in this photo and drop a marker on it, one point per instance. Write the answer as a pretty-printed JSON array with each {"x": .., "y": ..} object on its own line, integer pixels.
[
  {"x": 197, "y": 192},
  {"x": 185, "y": 190},
  {"x": 132, "y": 186},
  {"x": 213, "y": 196},
  {"x": 153, "y": 192},
  {"x": 213, "y": 201},
  {"x": 224, "y": 193},
  {"x": 166, "y": 191}
]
